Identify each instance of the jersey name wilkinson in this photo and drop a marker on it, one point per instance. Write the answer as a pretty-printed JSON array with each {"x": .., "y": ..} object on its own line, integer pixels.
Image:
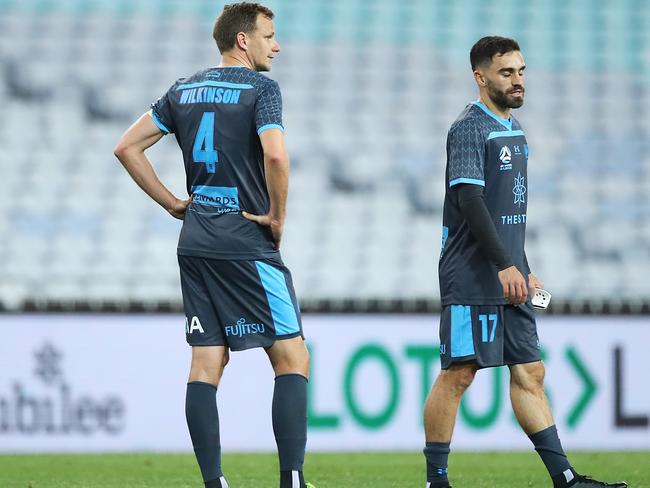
[{"x": 210, "y": 95}]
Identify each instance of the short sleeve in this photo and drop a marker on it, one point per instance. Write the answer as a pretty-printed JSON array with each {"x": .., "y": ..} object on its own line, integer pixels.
[
  {"x": 268, "y": 108},
  {"x": 161, "y": 113},
  {"x": 466, "y": 154}
]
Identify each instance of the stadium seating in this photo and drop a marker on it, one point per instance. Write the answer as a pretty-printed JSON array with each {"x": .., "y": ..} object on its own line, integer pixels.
[{"x": 370, "y": 88}]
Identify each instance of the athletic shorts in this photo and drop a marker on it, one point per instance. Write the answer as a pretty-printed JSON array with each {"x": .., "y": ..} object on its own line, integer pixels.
[
  {"x": 488, "y": 335},
  {"x": 238, "y": 304}
]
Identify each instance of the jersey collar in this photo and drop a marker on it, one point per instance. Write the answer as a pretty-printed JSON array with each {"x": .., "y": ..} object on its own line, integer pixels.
[{"x": 507, "y": 123}]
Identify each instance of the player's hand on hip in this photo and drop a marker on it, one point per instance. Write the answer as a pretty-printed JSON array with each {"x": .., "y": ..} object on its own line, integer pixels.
[
  {"x": 534, "y": 282},
  {"x": 515, "y": 288},
  {"x": 275, "y": 226},
  {"x": 178, "y": 208}
]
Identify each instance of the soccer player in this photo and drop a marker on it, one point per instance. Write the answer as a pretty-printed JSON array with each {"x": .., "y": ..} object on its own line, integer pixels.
[
  {"x": 237, "y": 293},
  {"x": 487, "y": 318}
]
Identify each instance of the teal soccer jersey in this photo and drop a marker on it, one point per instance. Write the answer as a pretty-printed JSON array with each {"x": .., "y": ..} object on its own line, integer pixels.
[
  {"x": 483, "y": 149},
  {"x": 217, "y": 116}
]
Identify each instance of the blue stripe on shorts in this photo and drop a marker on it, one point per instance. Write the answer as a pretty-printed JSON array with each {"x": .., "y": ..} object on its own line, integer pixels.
[
  {"x": 277, "y": 293},
  {"x": 462, "y": 340}
]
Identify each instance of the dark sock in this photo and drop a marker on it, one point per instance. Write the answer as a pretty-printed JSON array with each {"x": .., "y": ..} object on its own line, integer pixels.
[
  {"x": 436, "y": 454},
  {"x": 290, "y": 425},
  {"x": 548, "y": 446},
  {"x": 216, "y": 483},
  {"x": 291, "y": 479},
  {"x": 565, "y": 479},
  {"x": 203, "y": 423}
]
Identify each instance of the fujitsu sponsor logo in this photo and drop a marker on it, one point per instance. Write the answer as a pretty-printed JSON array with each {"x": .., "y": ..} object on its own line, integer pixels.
[{"x": 241, "y": 328}]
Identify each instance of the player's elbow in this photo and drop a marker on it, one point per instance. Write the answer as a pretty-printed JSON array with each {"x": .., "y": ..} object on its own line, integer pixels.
[
  {"x": 276, "y": 158},
  {"x": 121, "y": 149}
]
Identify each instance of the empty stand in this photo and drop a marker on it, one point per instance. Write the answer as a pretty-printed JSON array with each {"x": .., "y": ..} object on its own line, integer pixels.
[{"x": 370, "y": 89}]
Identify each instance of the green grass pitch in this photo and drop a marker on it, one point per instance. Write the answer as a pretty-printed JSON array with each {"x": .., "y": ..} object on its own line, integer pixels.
[{"x": 344, "y": 470}]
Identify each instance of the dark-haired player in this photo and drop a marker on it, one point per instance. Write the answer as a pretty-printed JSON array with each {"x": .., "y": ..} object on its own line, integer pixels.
[
  {"x": 487, "y": 319},
  {"x": 237, "y": 293}
]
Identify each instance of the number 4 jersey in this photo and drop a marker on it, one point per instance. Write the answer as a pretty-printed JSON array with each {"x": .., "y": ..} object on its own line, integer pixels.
[{"x": 217, "y": 116}]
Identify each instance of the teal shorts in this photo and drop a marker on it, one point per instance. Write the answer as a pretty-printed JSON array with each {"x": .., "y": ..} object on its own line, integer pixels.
[
  {"x": 488, "y": 335},
  {"x": 239, "y": 304}
]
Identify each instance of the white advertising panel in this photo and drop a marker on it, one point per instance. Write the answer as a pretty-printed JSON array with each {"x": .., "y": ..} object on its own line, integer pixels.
[{"x": 117, "y": 383}]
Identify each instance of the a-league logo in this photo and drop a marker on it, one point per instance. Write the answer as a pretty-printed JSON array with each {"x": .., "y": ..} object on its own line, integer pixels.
[{"x": 505, "y": 155}]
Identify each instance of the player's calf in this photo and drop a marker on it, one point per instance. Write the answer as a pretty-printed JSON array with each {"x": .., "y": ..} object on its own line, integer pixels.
[
  {"x": 289, "y": 414},
  {"x": 203, "y": 423}
]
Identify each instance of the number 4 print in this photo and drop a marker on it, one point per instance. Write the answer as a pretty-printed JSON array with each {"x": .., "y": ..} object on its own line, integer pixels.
[
  {"x": 484, "y": 318},
  {"x": 203, "y": 150}
]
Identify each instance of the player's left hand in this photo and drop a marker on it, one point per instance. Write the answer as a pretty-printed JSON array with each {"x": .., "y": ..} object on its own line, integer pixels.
[
  {"x": 178, "y": 208},
  {"x": 534, "y": 282},
  {"x": 275, "y": 226}
]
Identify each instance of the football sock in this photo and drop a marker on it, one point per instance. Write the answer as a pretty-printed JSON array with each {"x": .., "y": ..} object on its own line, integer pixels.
[
  {"x": 218, "y": 483},
  {"x": 203, "y": 423},
  {"x": 567, "y": 478},
  {"x": 292, "y": 479},
  {"x": 289, "y": 414},
  {"x": 436, "y": 454},
  {"x": 548, "y": 446}
]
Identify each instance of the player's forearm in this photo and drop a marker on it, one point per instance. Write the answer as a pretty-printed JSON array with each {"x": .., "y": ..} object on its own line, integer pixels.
[
  {"x": 141, "y": 171},
  {"x": 277, "y": 184},
  {"x": 476, "y": 214}
]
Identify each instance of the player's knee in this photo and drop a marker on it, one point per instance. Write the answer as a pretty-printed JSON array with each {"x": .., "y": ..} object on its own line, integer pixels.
[
  {"x": 208, "y": 368},
  {"x": 536, "y": 376},
  {"x": 298, "y": 360},
  {"x": 529, "y": 376},
  {"x": 460, "y": 378},
  {"x": 207, "y": 373},
  {"x": 293, "y": 359}
]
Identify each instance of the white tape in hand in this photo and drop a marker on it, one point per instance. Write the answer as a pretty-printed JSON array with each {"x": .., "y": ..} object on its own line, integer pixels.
[{"x": 541, "y": 299}]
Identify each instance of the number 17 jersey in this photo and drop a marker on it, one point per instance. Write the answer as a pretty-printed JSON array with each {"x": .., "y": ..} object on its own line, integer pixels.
[
  {"x": 486, "y": 150},
  {"x": 217, "y": 116}
]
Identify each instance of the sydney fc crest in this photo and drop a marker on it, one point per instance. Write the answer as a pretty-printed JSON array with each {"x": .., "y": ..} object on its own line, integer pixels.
[{"x": 519, "y": 190}]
